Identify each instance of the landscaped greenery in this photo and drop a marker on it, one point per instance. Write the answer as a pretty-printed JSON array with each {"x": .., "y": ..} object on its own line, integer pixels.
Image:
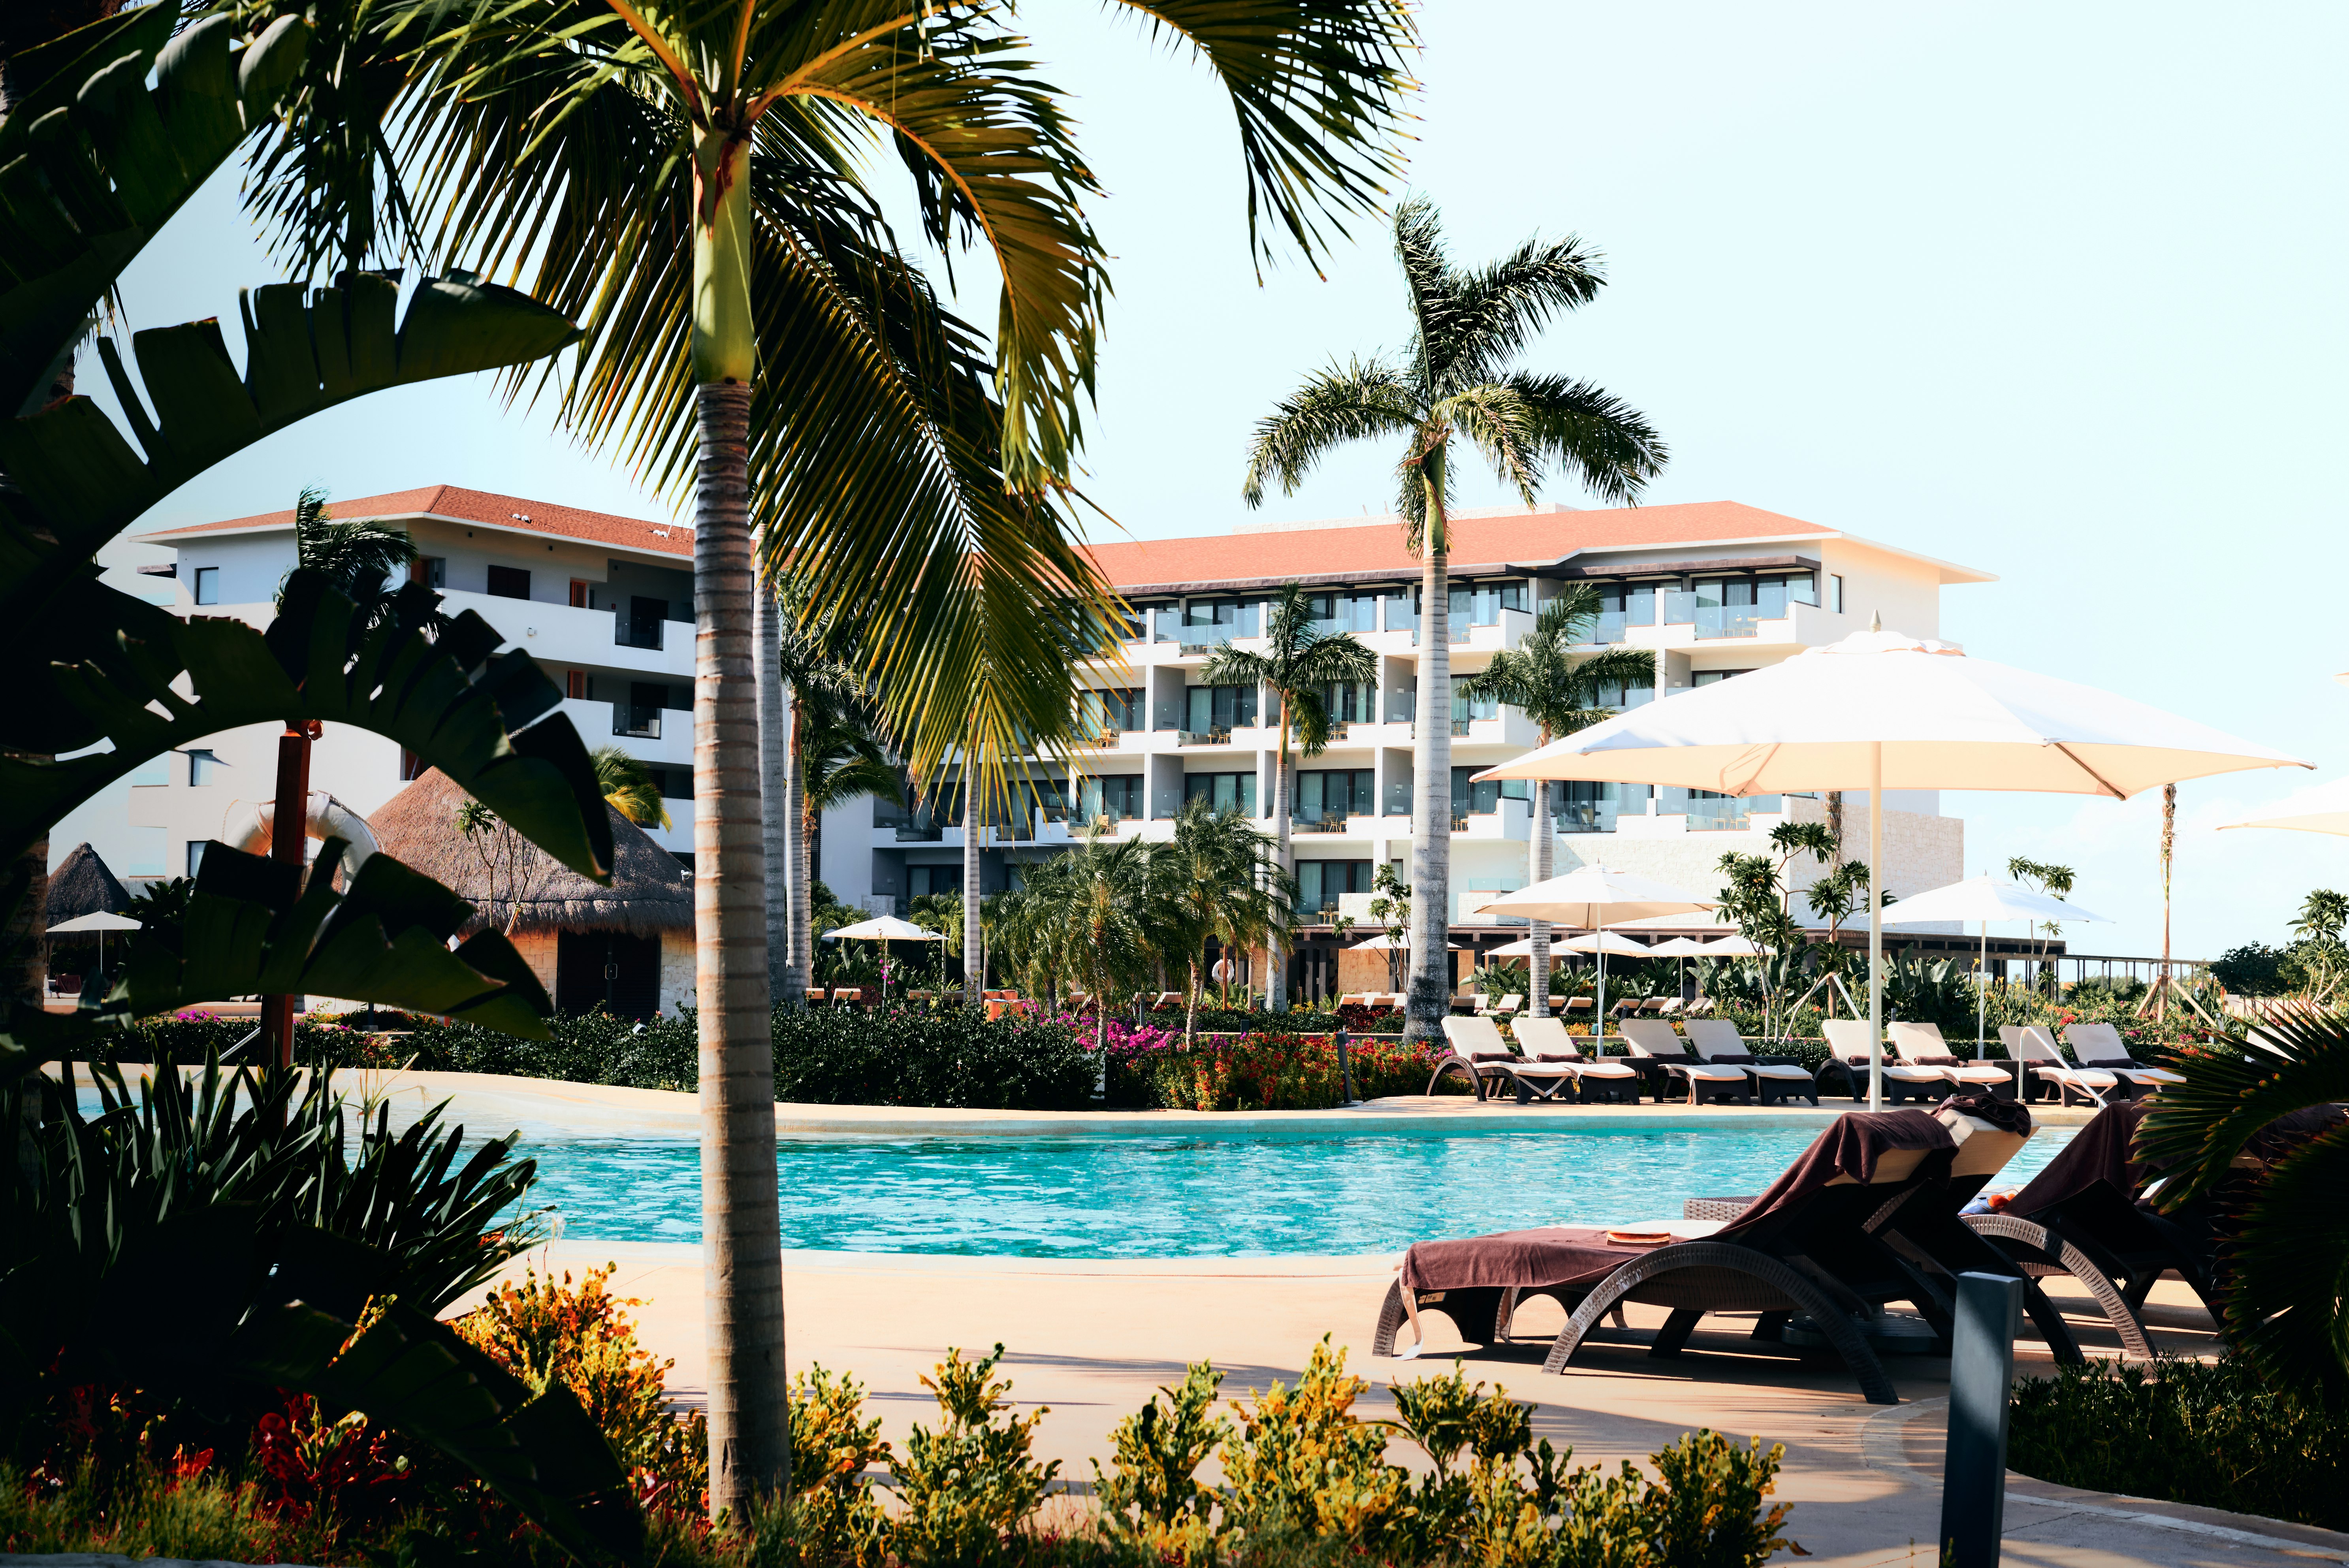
[
  {"x": 1305, "y": 1478},
  {"x": 2218, "y": 1436}
]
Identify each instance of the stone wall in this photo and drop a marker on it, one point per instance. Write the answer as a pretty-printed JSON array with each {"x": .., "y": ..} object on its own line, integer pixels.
[{"x": 677, "y": 980}]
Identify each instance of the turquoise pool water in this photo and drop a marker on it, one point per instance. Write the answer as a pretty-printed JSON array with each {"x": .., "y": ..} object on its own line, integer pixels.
[{"x": 1149, "y": 1197}]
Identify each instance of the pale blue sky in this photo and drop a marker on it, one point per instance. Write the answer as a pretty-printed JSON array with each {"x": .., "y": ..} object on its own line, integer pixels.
[{"x": 2051, "y": 291}]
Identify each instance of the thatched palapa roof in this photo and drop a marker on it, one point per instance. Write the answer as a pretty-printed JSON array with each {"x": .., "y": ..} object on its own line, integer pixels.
[
  {"x": 649, "y": 892},
  {"x": 81, "y": 884}
]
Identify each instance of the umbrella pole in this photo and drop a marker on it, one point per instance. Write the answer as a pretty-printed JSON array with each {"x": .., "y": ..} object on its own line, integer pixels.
[
  {"x": 1981, "y": 996},
  {"x": 1875, "y": 925},
  {"x": 1600, "y": 1037}
]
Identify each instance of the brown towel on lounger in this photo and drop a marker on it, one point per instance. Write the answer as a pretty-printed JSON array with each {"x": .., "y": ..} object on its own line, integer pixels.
[
  {"x": 1492, "y": 1055},
  {"x": 2101, "y": 1151},
  {"x": 2006, "y": 1115}
]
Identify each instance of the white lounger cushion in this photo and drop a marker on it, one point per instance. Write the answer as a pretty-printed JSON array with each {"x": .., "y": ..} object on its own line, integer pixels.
[
  {"x": 2098, "y": 1043},
  {"x": 1548, "y": 1037},
  {"x": 1651, "y": 1037}
]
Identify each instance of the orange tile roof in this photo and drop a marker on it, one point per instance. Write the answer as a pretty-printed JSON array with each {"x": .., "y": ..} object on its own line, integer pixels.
[
  {"x": 478, "y": 506},
  {"x": 1490, "y": 537}
]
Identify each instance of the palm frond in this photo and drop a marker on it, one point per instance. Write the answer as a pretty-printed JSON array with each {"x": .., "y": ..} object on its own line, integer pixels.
[
  {"x": 1503, "y": 428},
  {"x": 1612, "y": 447},
  {"x": 627, "y": 783},
  {"x": 1492, "y": 316},
  {"x": 1317, "y": 89},
  {"x": 1346, "y": 402},
  {"x": 2287, "y": 1303},
  {"x": 2235, "y": 1088}
]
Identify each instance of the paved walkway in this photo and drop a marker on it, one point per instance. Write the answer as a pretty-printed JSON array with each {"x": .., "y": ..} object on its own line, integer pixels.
[{"x": 1092, "y": 1339}]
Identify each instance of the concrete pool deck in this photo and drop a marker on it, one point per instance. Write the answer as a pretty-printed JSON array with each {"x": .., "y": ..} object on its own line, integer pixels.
[
  {"x": 485, "y": 1099},
  {"x": 1091, "y": 1340}
]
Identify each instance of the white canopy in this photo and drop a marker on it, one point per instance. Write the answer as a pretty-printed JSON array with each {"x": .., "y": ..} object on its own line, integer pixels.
[
  {"x": 1522, "y": 948},
  {"x": 1592, "y": 897},
  {"x": 1382, "y": 943},
  {"x": 1938, "y": 719},
  {"x": 1732, "y": 946},
  {"x": 1878, "y": 711},
  {"x": 2324, "y": 809},
  {"x": 101, "y": 921},
  {"x": 1605, "y": 941},
  {"x": 887, "y": 928},
  {"x": 1982, "y": 898}
]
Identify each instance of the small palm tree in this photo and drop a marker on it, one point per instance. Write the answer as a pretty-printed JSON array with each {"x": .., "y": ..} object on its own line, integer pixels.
[
  {"x": 1453, "y": 380},
  {"x": 628, "y": 785},
  {"x": 2258, "y": 1126},
  {"x": 837, "y": 760},
  {"x": 1298, "y": 661},
  {"x": 1090, "y": 910},
  {"x": 358, "y": 556},
  {"x": 812, "y": 665},
  {"x": 1215, "y": 879},
  {"x": 1559, "y": 692}
]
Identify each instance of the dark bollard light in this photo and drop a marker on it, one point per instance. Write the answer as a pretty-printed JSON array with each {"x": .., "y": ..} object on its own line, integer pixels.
[
  {"x": 1982, "y": 1380},
  {"x": 1345, "y": 1072}
]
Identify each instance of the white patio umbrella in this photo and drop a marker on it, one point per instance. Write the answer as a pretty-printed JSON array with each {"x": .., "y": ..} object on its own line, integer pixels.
[
  {"x": 885, "y": 929},
  {"x": 1606, "y": 943},
  {"x": 1593, "y": 898},
  {"x": 2324, "y": 809},
  {"x": 1878, "y": 711},
  {"x": 1382, "y": 943},
  {"x": 1978, "y": 901},
  {"x": 102, "y": 921}
]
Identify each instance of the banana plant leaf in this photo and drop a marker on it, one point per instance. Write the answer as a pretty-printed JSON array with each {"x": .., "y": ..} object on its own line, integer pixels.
[
  {"x": 90, "y": 666},
  {"x": 82, "y": 483},
  {"x": 254, "y": 927},
  {"x": 93, "y": 161}
]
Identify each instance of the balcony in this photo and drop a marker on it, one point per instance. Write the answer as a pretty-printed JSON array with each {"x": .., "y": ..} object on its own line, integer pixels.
[
  {"x": 1328, "y": 822},
  {"x": 1203, "y": 737},
  {"x": 1460, "y": 728},
  {"x": 919, "y": 832},
  {"x": 637, "y": 723}
]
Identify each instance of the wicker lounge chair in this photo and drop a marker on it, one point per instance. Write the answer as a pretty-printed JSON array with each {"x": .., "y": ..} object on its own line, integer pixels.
[
  {"x": 1595, "y": 1078},
  {"x": 1479, "y": 1050},
  {"x": 1655, "y": 1039},
  {"x": 1847, "y": 1050},
  {"x": 2044, "y": 1065},
  {"x": 1921, "y": 1045},
  {"x": 1717, "y": 1042},
  {"x": 2100, "y": 1045},
  {"x": 1786, "y": 1253}
]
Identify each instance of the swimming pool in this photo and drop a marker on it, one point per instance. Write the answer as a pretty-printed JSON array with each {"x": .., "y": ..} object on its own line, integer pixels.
[{"x": 1136, "y": 1196}]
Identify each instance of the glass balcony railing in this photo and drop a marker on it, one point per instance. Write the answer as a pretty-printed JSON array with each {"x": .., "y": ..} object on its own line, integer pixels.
[
  {"x": 1608, "y": 628},
  {"x": 1730, "y": 814},
  {"x": 643, "y": 724},
  {"x": 1586, "y": 816},
  {"x": 1727, "y": 621}
]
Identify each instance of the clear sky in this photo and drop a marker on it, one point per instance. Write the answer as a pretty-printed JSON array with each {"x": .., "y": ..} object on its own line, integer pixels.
[{"x": 2052, "y": 291}]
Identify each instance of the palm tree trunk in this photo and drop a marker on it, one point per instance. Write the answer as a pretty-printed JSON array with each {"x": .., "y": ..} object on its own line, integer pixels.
[
  {"x": 749, "y": 1448},
  {"x": 798, "y": 966},
  {"x": 1429, "y": 999},
  {"x": 1191, "y": 1007},
  {"x": 775, "y": 805},
  {"x": 1275, "y": 954},
  {"x": 974, "y": 956},
  {"x": 1539, "y": 1002}
]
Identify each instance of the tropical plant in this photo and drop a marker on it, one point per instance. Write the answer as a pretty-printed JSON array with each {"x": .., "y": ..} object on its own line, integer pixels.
[
  {"x": 628, "y": 787},
  {"x": 1835, "y": 896},
  {"x": 357, "y": 554},
  {"x": 1543, "y": 678},
  {"x": 1453, "y": 380},
  {"x": 1214, "y": 879},
  {"x": 2055, "y": 880},
  {"x": 1391, "y": 907},
  {"x": 2319, "y": 946},
  {"x": 688, "y": 180},
  {"x": 810, "y": 657},
  {"x": 839, "y": 760},
  {"x": 1098, "y": 900},
  {"x": 512, "y": 869},
  {"x": 2257, "y": 1127},
  {"x": 1760, "y": 897},
  {"x": 1299, "y": 660}
]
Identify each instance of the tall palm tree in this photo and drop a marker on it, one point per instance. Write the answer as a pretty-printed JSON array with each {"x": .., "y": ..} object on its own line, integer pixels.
[
  {"x": 1298, "y": 661},
  {"x": 837, "y": 760},
  {"x": 686, "y": 182},
  {"x": 1090, "y": 910},
  {"x": 814, "y": 661},
  {"x": 1559, "y": 692},
  {"x": 1214, "y": 879},
  {"x": 1454, "y": 380}
]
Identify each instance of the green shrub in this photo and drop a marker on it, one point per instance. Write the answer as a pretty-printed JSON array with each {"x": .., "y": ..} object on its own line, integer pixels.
[
  {"x": 2211, "y": 1435},
  {"x": 1266, "y": 1072}
]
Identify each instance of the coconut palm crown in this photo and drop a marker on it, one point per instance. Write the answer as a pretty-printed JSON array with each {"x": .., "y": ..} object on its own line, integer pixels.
[
  {"x": 1298, "y": 661},
  {"x": 1558, "y": 690},
  {"x": 1455, "y": 379}
]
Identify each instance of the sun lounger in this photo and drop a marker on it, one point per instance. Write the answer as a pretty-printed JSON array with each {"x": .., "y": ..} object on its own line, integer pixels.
[
  {"x": 1653, "y": 1039},
  {"x": 1780, "y": 1256},
  {"x": 1478, "y": 1049},
  {"x": 847, "y": 995},
  {"x": 1925, "y": 1242},
  {"x": 1717, "y": 1042},
  {"x": 1921, "y": 1045},
  {"x": 1847, "y": 1047},
  {"x": 2100, "y": 1045},
  {"x": 1544, "y": 1040},
  {"x": 1580, "y": 1005},
  {"x": 1668, "y": 1006},
  {"x": 2036, "y": 1048},
  {"x": 1502, "y": 1007}
]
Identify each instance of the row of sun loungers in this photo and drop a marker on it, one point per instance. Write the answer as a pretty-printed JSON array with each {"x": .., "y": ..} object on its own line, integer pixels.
[{"x": 1873, "y": 1213}]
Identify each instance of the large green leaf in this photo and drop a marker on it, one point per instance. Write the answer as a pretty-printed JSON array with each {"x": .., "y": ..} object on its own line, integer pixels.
[
  {"x": 92, "y": 666},
  {"x": 83, "y": 483},
  {"x": 255, "y": 928},
  {"x": 93, "y": 161}
]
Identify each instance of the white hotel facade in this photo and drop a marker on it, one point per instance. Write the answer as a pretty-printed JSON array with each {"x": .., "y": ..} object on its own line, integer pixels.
[{"x": 605, "y": 604}]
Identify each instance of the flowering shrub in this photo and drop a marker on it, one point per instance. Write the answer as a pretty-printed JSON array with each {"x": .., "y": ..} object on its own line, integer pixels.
[{"x": 1260, "y": 1072}]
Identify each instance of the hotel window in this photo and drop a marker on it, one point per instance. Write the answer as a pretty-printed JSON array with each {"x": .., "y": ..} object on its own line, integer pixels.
[
  {"x": 1622, "y": 604},
  {"x": 1402, "y": 612},
  {"x": 930, "y": 881},
  {"x": 579, "y": 591},
  {"x": 1480, "y": 603},
  {"x": 1344, "y": 610},
  {"x": 432, "y": 571},
  {"x": 1212, "y": 708},
  {"x": 411, "y": 766},
  {"x": 509, "y": 583},
  {"x": 1707, "y": 677},
  {"x": 1320, "y": 882},
  {"x": 1104, "y": 711},
  {"x": 1218, "y": 620},
  {"x": 1118, "y": 796},
  {"x": 1772, "y": 595},
  {"x": 1332, "y": 794},
  {"x": 195, "y": 855},
  {"x": 1220, "y": 790},
  {"x": 203, "y": 769},
  {"x": 1625, "y": 696},
  {"x": 1483, "y": 799},
  {"x": 1835, "y": 594},
  {"x": 1464, "y": 707},
  {"x": 208, "y": 585},
  {"x": 1352, "y": 701},
  {"x": 574, "y": 685}
]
